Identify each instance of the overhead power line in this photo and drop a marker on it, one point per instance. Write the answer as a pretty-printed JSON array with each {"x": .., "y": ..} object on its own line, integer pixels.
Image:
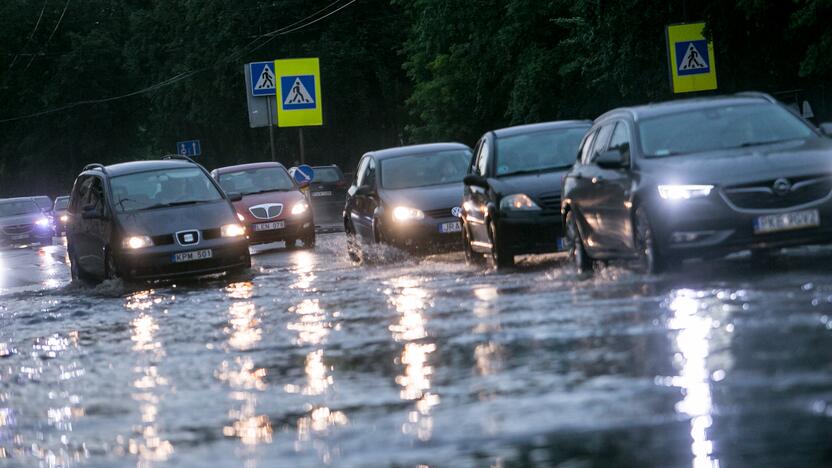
[
  {"x": 250, "y": 47},
  {"x": 49, "y": 39},
  {"x": 31, "y": 35}
]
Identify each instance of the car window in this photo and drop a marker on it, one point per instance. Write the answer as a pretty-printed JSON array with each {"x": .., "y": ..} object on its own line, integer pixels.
[
  {"x": 482, "y": 160},
  {"x": 423, "y": 170},
  {"x": 44, "y": 203},
  {"x": 620, "y": 140},
  {"x": 370, "y": 177},
  {"x": 95, "y": 195},
  {"x": 157, "y": 189},
  {"x": 260, "y": 180},
  {"x": 538, "y": 151},
  {"x": 361, "y": 171},
  {"x": 326, "y": 174},
  {"x": 79, "y": 193},
  {"x": 61, "y": 204},
  {"x": 18, "y": 207},
  {"x": 600, "y": 143},
  {"x": 587, "y": 147},
  {"x": 722, "y": 127}
]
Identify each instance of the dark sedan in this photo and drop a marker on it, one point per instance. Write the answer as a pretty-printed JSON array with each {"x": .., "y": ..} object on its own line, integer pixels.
[
  {"x": 512, "y": 193},
  {"x": 328, "y": 193},
  {"x": 698, "y": 178},
  {"x": 408, "y": 197}
]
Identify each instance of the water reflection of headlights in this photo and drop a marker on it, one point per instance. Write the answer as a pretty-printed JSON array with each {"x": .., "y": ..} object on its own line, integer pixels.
[{"x": 404, "y": 213}]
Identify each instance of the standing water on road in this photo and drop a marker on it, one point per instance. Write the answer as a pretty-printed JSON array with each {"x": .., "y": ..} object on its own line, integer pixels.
[{"x": 417, "y": 361}]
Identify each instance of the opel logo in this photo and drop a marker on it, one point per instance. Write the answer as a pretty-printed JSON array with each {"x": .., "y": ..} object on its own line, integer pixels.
[
  {"x": 782, "y": 186},
  {"x": 456, "y": 211}
]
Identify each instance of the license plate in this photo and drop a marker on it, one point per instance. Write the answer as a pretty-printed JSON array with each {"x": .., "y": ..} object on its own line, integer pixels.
[
  {"x": 787, "y": 221},
  {"x": 192, "y": 256},
  {"x": 447, "y": 228},
  {"x": 269, "y": 226},
  {"x": 322, "y": 194}
]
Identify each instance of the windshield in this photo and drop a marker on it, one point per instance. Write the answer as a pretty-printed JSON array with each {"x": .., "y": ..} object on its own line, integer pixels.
[
  {"x": 539, "y": 151},
  {"x": 422, "y": 170},
  {"x": 44, "y": 203},
  {"x": 15, "y": 208},
  {"x": 156, "y": 189},
  {"x": 326, "y": 174},
  {"x": 246, "y": 182},
  {"x": 61, "y": 203},
  {"x": 720, "y": 128}
]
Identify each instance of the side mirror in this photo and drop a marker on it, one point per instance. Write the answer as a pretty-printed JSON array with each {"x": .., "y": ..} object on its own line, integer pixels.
[
  {"x": 826, "y": 128},
  {"x": 364, "y": 190},
  {"x": 476, "y": 180},
  {"x": 610, "y": 160},
  {"x": 234, "y": 196}
]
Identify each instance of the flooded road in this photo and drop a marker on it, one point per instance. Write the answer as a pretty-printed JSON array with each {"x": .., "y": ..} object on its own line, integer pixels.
[{"x": 313, "y": 360}]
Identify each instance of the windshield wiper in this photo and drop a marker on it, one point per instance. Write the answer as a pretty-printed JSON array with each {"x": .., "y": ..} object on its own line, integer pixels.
[
  {"x": 536, "y": 171},
  {"x": 761, "y": 143},
  {"x": 266, "y": 191},
  {"x": 166, "y": 205}
]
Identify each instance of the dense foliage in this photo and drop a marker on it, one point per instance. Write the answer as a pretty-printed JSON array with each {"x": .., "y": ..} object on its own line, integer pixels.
[{"x": 394, "y": 71}]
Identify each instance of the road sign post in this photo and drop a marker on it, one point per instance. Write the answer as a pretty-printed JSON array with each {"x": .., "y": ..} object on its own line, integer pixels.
[{"x": 690, "y": 58}]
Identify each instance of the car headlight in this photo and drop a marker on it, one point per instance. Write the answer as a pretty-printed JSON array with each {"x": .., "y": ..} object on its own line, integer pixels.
[
  {"x": 233, "y": 230},
  {"x": 64, "y": 218},
  {"x": 518, "y": 202},
  {"x": 136, "y": 242},
  {"x": 300, "y": 208},
  {"x": 684, "y": 192},
  {"x": 42, "y": 222},
  {"x": 403, "y": 214},
  {"x": 241, "y": 218}
]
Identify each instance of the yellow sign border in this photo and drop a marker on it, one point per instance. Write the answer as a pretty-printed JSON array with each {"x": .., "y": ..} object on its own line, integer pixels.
[
  {"x": 689, "y": 83},
  {"x": 298, "y": 117}
]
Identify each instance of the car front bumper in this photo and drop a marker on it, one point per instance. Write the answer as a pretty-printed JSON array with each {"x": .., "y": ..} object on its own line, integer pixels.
[
  {"x": 157, "y": 262},
  {"x": 35, "y": 235},
  {"x": 423, "y": 235},
  {"x": 709, "y": 227},
  {"x": 531, "y": 232},
  {"x": 294, "y": 228}
]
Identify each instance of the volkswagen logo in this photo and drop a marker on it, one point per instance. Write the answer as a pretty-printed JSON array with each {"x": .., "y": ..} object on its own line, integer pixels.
[
  {"x": 456, "y": 211},
  {"x": 782, "y": 186}
]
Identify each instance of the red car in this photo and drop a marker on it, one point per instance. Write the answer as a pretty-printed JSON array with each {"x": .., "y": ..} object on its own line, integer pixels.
[{"x": 273, "y": 207}]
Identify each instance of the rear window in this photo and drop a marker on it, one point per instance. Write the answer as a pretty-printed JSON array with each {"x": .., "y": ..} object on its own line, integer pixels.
[{"x": 327, "y": 174}]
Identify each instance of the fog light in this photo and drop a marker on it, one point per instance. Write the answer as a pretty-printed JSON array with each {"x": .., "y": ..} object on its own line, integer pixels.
[
  {"x": 689, "y": 236},
  {"x": 233, "y": 230},
  {"x": 136, "y": 242}
]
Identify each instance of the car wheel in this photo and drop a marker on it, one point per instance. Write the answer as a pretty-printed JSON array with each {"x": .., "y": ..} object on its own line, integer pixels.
[
  {"x": 309, "y": 240},
  {"x": 75, "y": 270},
  {"x": 577, "y": 251},
  {"x": 650, "y": 261},
  {"x": 499, "y": 254},
  {"x": 473, "y": 258},
  {"x": 378, "y": 233},
  {"x": 353, "y": 249},
  {"x": 110, "y": 269}
]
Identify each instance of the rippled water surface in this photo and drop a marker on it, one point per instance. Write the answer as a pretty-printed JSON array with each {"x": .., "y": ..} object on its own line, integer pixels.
[{"x": 406, "y": 361}]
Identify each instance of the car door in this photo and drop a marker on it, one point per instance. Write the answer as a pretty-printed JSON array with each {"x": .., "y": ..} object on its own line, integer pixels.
[
  {"x": 364, "y": 201},
  {"x": 81, "y": 240},
  {"x": 97, "y": 230},
  {"x": 613, "y": 188},
  {"x": 585, "y": 196},
  {"x": 354, "y": 198},
  {"x": 478, "y": 196}
]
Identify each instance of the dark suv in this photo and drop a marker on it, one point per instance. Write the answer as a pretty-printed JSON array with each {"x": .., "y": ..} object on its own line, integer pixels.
[
  {"x": 700, "y": 178},
  {"x": 152, "y": 220}
]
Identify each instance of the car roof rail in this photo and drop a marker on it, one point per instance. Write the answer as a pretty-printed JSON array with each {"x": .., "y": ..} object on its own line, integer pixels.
[
  {"x": 757, "y": 94},
  {"x": 179, "y": 157},
  {"x": 92, "y": 166}
]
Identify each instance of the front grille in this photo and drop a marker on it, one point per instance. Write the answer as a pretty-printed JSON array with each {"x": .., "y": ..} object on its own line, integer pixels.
[
  {"x": 209, "y": 234},
  {"x": 440, "y": 213},
  {"x": 550, "y": 201},
  {"x": 18, "y": 229},
  {"x": 188, "y": 237},
  {"x": 762, "y": 195},
  {"x": 266, "y": 211},
  {"x": 165, "y": 239}
]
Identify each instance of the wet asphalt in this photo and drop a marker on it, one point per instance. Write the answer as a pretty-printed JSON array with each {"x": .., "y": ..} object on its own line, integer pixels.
[{"x": 311, "y": 360}]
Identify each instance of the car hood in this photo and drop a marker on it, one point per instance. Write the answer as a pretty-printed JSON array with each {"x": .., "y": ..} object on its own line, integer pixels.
[
  {"x": 287, "y": 199},
  {"x": 163, "y": 221},
  {"x": 745, "y": 165},
  {"x": 434, "y": 197},
  {"x": 532, "y": 185},
  {"x": 29, "y": 218}
]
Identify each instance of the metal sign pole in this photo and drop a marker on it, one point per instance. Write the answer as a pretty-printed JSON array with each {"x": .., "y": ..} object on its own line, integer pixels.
[
  {"x": 302, "y": 152},
  {"x": 271, "y": 127}
]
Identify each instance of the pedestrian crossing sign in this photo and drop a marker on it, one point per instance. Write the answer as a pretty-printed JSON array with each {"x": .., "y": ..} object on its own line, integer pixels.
[
  {"x": 690, "y": 58},
  {"x": 262, "y": 78},
  {"x": 298, "y": 92}
]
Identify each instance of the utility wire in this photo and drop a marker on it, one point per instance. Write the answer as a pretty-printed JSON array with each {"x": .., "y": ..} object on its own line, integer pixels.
[
  {"x": 31, "y": 35},
  {"x": 49, "y": 39},
  {"x": 185, "y": 75}
]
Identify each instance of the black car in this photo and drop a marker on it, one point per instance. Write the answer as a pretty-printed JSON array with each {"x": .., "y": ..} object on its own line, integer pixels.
[
  {"x": 328, "y": 193},
  {"x": 152, "y": 220},
  {"x": 407, "y": 197},
  {"x": 23, "y": 222},
  {"x": 512, "y": 192},
  {"x": 698, "y": 178}
]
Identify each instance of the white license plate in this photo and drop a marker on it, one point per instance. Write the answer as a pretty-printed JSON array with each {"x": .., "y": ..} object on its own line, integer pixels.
[
  {"x": 321, "y": 194},
  {"x": 447, "y": 228},
  {"x": 269, "y": 226},
  {"x": 192, "y": 256},
  {"x": 787, "y": 221}
]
